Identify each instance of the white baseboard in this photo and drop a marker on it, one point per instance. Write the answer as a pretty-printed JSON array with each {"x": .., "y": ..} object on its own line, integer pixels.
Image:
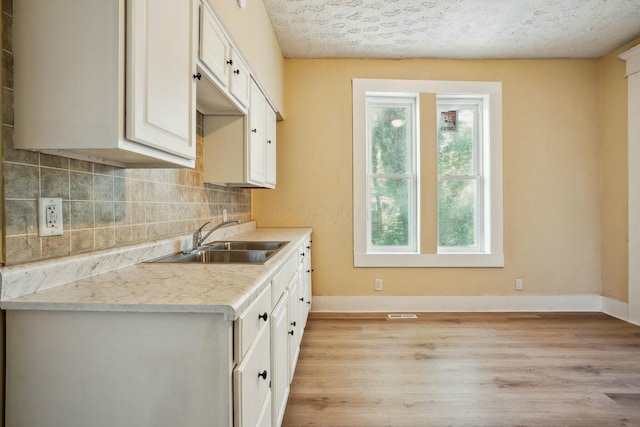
[
  {"x": 577, "y": 303},
  {"x": 615, "y": 308}
]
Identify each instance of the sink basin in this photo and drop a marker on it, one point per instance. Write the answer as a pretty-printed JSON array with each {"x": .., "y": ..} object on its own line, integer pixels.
[
  {"x": 245, "y": 246},
  {"x": 227, "y": 256},
  {"x": 227, "y": 253}
]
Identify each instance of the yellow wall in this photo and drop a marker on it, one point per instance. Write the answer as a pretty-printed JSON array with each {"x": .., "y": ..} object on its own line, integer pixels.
[
  {"x": 251, "y": 30},
  {"x": 613, "y": 162},
  {"x": 551, "y": 176}
]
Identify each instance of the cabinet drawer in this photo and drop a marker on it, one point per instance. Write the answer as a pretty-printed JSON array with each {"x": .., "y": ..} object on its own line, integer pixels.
[
  {"x": 282, "y": 279},
  {"x": 252, "y": 380},
  {"x": 251, "y": 321}
]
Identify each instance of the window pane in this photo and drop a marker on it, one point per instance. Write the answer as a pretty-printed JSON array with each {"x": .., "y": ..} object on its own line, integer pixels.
[
  {"x": 389, "y": 212},
  {"x": 455, "y": 141},
  {"x": 456, "y": 212},
  {"x": 389, "y": 144}
]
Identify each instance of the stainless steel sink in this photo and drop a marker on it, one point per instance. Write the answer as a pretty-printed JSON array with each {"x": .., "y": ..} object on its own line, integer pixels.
[
  {"x": 245, "y": 246},
  {"x": 226, "y": 253}
]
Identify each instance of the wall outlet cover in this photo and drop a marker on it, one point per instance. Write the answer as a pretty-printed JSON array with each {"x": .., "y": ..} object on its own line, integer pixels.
[{"x": 50, "y": 219}]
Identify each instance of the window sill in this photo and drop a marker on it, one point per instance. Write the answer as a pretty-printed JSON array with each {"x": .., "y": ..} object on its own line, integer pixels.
[{"x": 429, "y": 260}]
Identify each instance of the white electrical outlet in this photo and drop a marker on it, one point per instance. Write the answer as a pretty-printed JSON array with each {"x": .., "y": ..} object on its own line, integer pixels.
[
  {"x": 50, "y": 216},
  {"x": 378, "y": 285},
  {"x": 519, "y": 284}
]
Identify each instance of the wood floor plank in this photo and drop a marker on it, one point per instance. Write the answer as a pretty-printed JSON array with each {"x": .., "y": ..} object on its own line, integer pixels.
[{"x": 467, "y": 369}]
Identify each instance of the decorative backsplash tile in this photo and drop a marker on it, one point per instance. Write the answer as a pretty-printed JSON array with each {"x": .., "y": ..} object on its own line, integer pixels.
[{"x": 103, "y": 206}]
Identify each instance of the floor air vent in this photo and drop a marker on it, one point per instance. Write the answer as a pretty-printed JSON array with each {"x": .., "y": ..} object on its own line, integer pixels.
[{"x": 401, "y": 316}]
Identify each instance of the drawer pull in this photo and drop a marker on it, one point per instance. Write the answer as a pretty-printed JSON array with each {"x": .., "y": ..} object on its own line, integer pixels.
[
  {"x": 263, "y": 316},
  {"x": 291, "y": 333},
  {"x": 293, "y": 323},
  {"x": 263, "y": 374},
  {"x": 302, "y": 299}
]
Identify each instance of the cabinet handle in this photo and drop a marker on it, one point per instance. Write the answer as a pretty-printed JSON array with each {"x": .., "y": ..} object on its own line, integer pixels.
[
  {"x": 310, "y": 271},
  {"x": 293, "y": 323},
  {"x": 263, "y": 374},
  {"x": 309, "y": 302},
  {"x": 197, "y": 76},
  {"x": 254, "y": 130},
  {"x": 230, "y": 62},
  {"x": 263, "y": 316},
  {"x": 236, "y": 72},
  {"x": 302, "y": 299},
  {"x": 291, "y": 333},
  {"x": 302, "y": 254}
]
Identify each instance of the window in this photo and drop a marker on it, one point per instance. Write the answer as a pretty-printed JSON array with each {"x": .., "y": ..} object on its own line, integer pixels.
[
  {"x": 391, "y": 174},
  {"x": 427, "y": 173},
  {"x": 461, "y": 192}
]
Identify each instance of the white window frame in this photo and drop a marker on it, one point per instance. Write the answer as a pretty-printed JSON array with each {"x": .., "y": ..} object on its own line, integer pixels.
[
  {"x": 409, "y": 101},
  {"x": 493, "y": 254}
]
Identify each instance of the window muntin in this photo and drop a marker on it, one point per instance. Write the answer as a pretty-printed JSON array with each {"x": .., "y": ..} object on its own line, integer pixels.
[
  {"x": 461, "y": 192},
  {"x": 391, "y": 173}
]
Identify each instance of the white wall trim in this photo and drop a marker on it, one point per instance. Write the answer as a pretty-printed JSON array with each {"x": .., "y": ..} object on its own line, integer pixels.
[
  {"x": 615, "y": 308},
  {"x": 456, "y": 303}
]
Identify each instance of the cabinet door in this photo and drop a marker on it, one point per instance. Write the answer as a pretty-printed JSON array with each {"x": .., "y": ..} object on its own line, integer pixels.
[
  {"x": 279, "y": 359},
  {"x": 294, "y": 325},
  {"x": 160, "y": 87},
  {"x": 305, "y": 283},
  {"x": 214, "y": 47},
  {"x": 270, "y": 153},
  {"x": 251, "y": 383},
  {"x": 257, "y": 136},
  {"x": 240, "y": 78}
]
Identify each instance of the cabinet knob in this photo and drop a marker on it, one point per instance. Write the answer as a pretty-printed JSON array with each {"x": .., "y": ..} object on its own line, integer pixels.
[
  {"x": 254, "y": 130},
  {"x": 302, "y": 299},
  {"x": 309, "y": 302},
  {"x": 263, "y": 316},
  {"x": 302, "y": 254},
  {"x": 268, "y": 141},
  {"x": 197, "y": 76},
  {"x": 291, "y": 333},
  {"x": 230, "y": 62},
  {"x": 263, "y": 374},
  {"x": 293, "y": 323},
  {"x": 236, "y": 72}
]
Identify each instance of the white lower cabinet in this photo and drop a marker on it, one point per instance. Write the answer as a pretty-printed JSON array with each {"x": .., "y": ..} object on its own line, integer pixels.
[{"x": 165, "y": 369}]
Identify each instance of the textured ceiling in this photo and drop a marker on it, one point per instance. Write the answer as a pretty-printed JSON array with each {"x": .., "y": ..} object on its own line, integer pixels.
[{"x": 453, "y": 28}]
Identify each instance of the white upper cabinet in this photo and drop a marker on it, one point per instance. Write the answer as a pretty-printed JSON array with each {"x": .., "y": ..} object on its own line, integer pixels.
[
  {"x": 240, "y": 78},
  {"x": 223, "y": 86},
  {"x": 107, "y": 81},
  {"x": 257, "y": 136},
  {"x": 239, "y": 151},
  {"x": 160, "y": 84},
  {"x": 270, "y": 150},
  {"x": 214, "y": 46}
]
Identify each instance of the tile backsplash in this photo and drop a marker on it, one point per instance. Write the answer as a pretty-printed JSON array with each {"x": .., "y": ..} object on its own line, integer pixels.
[{"x": 103, "y": 206}]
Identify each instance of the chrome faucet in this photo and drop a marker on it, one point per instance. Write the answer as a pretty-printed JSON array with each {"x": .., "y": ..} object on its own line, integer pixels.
[{"x": 198, "y": 238}]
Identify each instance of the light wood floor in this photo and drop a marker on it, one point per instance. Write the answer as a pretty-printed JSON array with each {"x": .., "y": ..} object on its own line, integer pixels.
[{"x": 497, "y": 369}]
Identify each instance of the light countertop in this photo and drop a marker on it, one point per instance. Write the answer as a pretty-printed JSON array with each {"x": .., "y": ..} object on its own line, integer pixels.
[{"x": 157, "y": 287}]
